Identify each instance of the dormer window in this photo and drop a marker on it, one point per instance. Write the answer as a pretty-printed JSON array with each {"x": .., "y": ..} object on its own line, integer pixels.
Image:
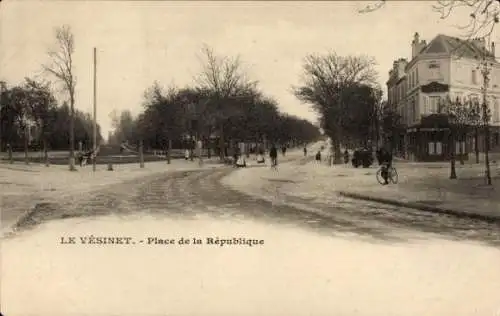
[{"x": 433, "y": 65}]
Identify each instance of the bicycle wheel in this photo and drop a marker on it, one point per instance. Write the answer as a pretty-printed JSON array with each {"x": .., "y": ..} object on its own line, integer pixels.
[
  {"x": 393, "y": 175},
  {"x": 380, "y": 179}
]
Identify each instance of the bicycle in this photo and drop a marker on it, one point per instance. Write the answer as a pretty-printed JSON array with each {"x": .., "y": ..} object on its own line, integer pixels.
[{"x": 392, "y": 174}]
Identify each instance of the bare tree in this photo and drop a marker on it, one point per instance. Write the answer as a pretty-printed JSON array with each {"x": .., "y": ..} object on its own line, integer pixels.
[
  {"x": 61, "y": 67},
  {"x": 225, "y": 79},
  {"x": 460, "y": 118},
  {"x": 325, "y": 80},
  {"x": 483, "y": 14}
]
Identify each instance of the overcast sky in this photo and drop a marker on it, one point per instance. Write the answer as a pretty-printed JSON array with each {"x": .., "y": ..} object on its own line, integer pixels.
[{"x": 140, "y": 42}]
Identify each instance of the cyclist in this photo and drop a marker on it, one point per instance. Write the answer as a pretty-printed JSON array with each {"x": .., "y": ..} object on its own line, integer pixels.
[
  {"x": 384, "y": 157},
  {"x": 273, "y": 154}
]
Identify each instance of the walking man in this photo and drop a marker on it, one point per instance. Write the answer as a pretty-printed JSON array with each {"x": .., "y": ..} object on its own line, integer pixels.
[{"x": 273, "y": 154}]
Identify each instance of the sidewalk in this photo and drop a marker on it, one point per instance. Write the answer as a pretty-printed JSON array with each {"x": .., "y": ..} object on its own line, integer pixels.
[
  {"x": 426, "y": 187},
  {"x": 433, "y": 191},
  {"x": 23, "y": 186}
]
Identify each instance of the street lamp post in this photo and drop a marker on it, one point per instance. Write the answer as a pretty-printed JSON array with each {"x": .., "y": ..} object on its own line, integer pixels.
[{"x": 485, "y": 71}]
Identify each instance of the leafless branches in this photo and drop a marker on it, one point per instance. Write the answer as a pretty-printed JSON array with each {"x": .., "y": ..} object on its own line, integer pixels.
[
  {"x": 326, "y": 76},
  {"x": 223, "y": 75},
  {"x": 372, "y": 7},
  {"x": 483, "y": 15},
  {"x": 61, "y": 67}
]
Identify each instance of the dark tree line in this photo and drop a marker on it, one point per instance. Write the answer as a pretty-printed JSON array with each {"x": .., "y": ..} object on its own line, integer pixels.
[
  {"x": 31, "y": 105},
  {"x": 176, "y": 115}
]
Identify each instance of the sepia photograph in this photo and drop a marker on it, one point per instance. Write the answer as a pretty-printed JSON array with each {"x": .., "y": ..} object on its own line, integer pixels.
[{"x": 203, "y": 158}]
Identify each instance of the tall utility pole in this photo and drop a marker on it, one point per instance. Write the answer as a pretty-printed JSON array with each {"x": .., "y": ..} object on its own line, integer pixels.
[
  {"x": 95, "y": 111},
  {"x": 485, "y": 71},
  {"x": 3, "y": 89}
]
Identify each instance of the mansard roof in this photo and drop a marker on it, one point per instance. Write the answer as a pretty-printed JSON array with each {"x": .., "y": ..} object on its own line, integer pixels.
[{"x": 444, "y": 44}]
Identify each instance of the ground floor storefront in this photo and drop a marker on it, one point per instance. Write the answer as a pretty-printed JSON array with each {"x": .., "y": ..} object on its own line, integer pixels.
[{"x": 436, "y": 144}]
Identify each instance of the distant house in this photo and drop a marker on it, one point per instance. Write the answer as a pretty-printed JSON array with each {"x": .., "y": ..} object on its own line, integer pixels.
[{"x": 445, "y": 67}]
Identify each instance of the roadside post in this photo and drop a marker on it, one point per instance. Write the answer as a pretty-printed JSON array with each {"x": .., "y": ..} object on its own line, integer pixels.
[{"x": 141, "y": 154}]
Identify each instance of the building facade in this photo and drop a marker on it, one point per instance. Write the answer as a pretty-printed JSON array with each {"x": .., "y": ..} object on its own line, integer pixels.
[{"x": 446, "y": 67}]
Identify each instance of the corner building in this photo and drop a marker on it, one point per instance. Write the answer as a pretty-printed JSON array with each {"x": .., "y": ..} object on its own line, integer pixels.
[{"x": 444, "y": 67}]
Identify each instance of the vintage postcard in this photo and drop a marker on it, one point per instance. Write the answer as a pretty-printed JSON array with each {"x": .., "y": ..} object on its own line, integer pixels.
[{"x": 240, "y": 158}]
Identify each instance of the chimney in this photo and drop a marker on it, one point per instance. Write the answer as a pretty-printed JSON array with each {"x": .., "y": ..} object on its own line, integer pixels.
[
  {"x": 416, "y": 38},
  {"x": 415, "y": 45}
]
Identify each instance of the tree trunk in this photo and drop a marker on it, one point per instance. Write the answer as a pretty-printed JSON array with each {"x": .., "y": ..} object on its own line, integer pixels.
[
  {"x": 486, "y": 154},
  {"x": 337, "y": 154},
  {"x": 45, "y": 152},
  {"x": 221, "y": 144},
  {"x": 461, "y": 150},
  {"x": 169, "y": 151},
  {"x": 26, "y": 157},
  {"x": 476, "y": 143},
  {"x": 72, "y": 134},
  {"x": 209, "y": 143},
  {"x": 141, "y": 154},
  {"x": 453, "y": 173},
  {"x": 9, "y": 150}
]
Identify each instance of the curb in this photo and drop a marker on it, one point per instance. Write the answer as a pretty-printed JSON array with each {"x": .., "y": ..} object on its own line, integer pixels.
[{"x": 422, "y": 207}]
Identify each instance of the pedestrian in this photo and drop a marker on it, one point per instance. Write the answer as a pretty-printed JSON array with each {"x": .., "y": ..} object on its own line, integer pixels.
[
  {"x": 318, "y": 156},
  {"x": 384, "y": 155},
  {"x": 305, "y": 151},
  {"x": 273, "y": 154},
  {"x": 346, "y": 156},
  {"x": 235, "y": 157},
  {"x": 186, "y": 154}
]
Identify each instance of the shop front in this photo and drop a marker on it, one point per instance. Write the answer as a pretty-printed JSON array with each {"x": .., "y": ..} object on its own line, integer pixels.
[{"x": 431, "y": 140}]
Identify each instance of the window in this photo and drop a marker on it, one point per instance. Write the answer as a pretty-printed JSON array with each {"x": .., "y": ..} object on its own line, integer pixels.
[
  {"x": 459, "y": 147},
  {"x": 435, "y": 148},
  {"x": 416, "y": 76},
  {"x": 433, "y": 65},
  {"x": 474, "y": 76},
  {"x": 496, "y": 111},
  {"x": 432, "y": 148},
  {"x": 439, "y": 148},
  {"x": 434, "y": 104}
]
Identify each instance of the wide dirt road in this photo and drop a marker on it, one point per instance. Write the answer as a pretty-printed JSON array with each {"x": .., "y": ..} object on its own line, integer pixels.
[{"x": 352, "y": 258}]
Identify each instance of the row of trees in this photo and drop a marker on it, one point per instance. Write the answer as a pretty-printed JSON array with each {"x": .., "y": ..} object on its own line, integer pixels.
[
  {"x": 31, "y": 105},
  {"x": 223, "y": 103}
]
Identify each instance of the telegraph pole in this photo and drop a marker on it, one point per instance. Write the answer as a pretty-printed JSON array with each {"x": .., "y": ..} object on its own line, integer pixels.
[
  {"x": 3, "y": 89},
  {"x": 95, "y": 111}
]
